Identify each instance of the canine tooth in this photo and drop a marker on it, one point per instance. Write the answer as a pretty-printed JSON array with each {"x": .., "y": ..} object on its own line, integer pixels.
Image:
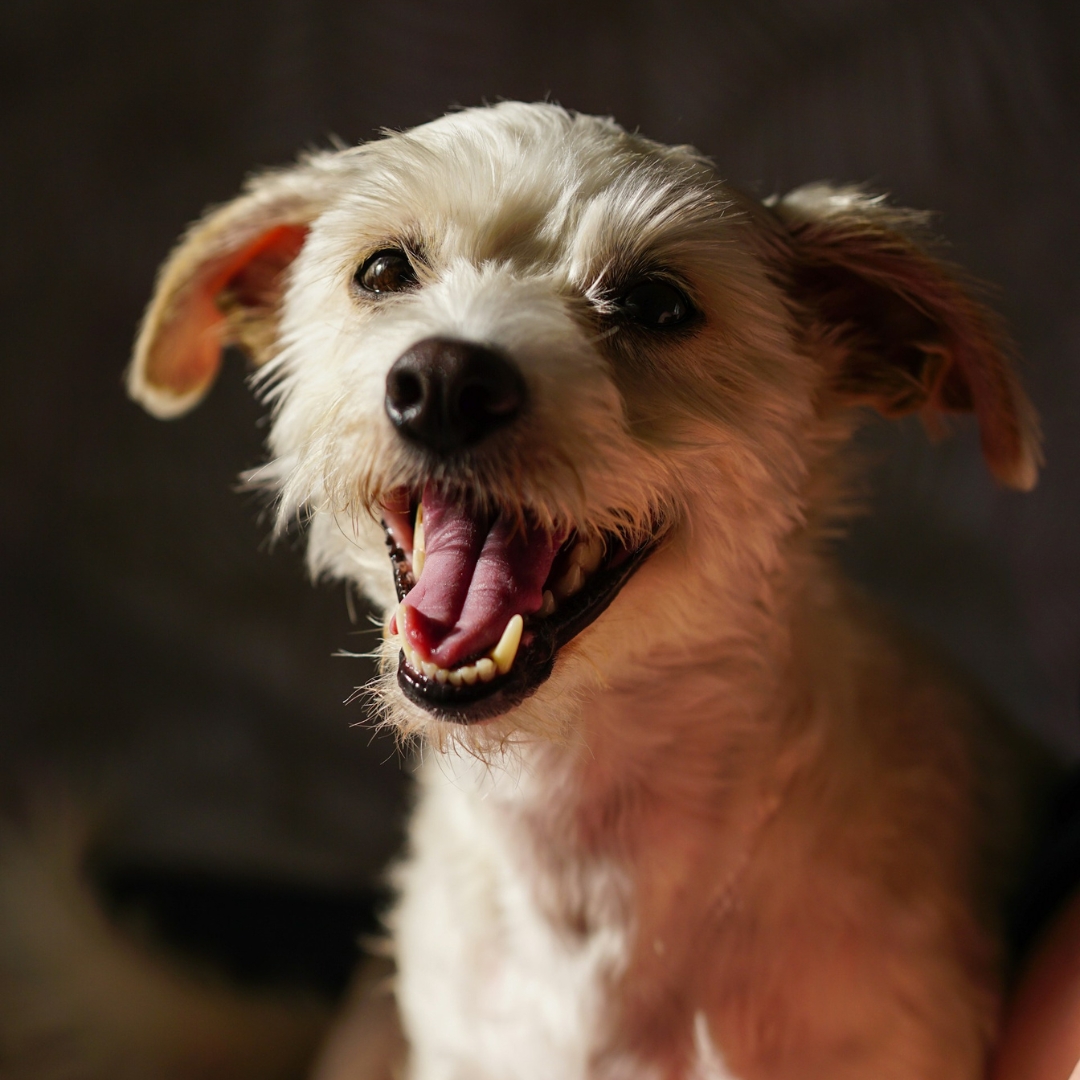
[
  {"x": 454, "y": 677},
  {"x": 418, "y": 549},
  {"x": 399, "y": 620},
  {"x": 468, "y": 674},
  {"x": 547, "y": 607},
  {"x": 429, "y": 668},
  {"x": 503, "y": 654},
  {"x": 486, "y": 669},
  {"x": 588, "y": 554}
]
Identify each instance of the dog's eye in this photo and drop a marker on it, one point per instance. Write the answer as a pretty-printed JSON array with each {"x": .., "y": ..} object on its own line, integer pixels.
[
  {"x": 386, "y": 272},
  {"x": 656, "y": 305}
]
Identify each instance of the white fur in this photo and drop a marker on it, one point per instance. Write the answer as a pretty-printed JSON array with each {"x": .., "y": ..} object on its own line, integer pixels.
[
  {"x": 709, "y": 1064},
  {"x": 735, "y": 832},
  {"x": 487, "y": 954}
]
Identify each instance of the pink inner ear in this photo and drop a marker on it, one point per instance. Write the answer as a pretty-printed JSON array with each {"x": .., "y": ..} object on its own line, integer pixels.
[{"x": 187, "y": 352}]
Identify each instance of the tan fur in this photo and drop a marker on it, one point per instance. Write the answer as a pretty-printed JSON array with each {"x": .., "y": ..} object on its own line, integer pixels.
[{"x": 746, "y": 828}]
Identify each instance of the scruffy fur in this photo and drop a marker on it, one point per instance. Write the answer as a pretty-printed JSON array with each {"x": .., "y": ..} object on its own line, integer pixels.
[{"x": 746, "y": 829}]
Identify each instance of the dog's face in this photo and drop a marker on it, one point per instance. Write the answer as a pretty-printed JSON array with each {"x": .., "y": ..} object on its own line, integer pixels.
[
  {"x": 553, "y": 395},
  {"x": 537, "y": 336}
]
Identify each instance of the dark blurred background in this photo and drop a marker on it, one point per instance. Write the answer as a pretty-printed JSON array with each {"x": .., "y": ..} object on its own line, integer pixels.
[{"x": 167, "y": 670}]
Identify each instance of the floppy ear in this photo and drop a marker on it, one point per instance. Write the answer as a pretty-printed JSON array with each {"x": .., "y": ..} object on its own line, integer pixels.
[
  {"x": 909, "y": 335},
  {"x": 222, "y": 285}
]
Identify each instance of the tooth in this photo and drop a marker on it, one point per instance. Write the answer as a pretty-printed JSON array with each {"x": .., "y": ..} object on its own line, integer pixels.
[
  {"x": 429, "y": 668},
  {"x": 571, "y": 581},
  {"x": 468, "y": 674},
  {"x": 574, "y": 580},
  {"x": 419, "y": 551},
  {"x": 486, "y": 669},
  {"x": 399, "y": 621},
  {"x": 441, "y": 675},
  {"x": 547, "y": 607},
  {"x": 588, "y": 554},
  {"x": 503, "y": 654},
  {"x": 454, "y": 677}
]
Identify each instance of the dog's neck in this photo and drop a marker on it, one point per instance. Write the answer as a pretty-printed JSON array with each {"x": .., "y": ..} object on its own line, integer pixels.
[{"x": 656, "y": 816}]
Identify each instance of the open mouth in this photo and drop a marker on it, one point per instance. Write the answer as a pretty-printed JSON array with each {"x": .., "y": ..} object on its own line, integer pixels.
[{"x": 486, "y": 601}]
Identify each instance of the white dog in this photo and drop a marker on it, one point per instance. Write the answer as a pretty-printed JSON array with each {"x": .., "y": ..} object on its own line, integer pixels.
[{"x": 570, "y": 411}]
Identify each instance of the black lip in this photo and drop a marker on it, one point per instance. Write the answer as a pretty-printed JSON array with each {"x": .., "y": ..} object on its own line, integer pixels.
[{"x": 535, "y": 660}]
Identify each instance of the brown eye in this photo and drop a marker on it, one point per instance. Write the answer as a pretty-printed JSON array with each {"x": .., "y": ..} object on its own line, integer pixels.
[
  {"x": 655, "y": 305},
  {"x": 387, "y": 271}
]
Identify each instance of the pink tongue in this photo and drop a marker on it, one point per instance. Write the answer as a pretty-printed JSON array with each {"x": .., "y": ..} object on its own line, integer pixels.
[{"x": 476, "y": 576}]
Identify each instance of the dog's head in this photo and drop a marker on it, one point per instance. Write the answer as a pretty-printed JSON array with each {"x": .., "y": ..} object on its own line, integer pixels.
[{"x": 554, "y": 395}]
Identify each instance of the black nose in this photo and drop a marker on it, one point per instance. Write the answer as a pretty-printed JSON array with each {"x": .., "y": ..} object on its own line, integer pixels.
[{"x": 447, "y": 395}]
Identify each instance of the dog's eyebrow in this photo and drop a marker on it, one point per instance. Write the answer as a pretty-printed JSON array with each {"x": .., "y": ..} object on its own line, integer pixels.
[
  {"x": 413, "y": 246},
  {"x": 597, "y": 287},
  {"x": 645, "y": 243}
]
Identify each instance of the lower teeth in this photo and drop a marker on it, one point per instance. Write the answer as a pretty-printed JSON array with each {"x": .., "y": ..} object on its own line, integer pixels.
[{"x": 498, "y": 662}]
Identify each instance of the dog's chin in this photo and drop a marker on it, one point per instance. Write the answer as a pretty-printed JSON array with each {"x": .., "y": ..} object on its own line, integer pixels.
[{"x": 472, "y": 693}]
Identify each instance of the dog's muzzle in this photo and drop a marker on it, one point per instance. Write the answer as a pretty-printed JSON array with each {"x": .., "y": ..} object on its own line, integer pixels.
[{"x": 486, "y": 597}]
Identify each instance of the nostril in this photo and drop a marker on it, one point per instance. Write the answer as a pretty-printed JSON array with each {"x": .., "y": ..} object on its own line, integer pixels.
[{"x": 405, "y": 389}]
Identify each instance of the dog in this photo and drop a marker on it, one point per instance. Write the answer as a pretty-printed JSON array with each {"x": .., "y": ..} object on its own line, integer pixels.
[{"x": 572, "y": 413}]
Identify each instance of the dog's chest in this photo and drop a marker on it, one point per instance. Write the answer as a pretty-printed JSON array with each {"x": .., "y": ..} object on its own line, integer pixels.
[{"x": 506, "y": 963}]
